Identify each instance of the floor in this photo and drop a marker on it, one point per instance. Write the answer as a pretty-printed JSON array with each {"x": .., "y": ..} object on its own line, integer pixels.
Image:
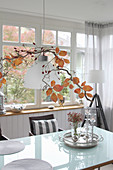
[{"x": 107, "y": 167}]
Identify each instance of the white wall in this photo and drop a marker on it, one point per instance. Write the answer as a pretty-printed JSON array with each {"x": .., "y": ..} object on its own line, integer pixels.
[{"x": 71, "y": 10}]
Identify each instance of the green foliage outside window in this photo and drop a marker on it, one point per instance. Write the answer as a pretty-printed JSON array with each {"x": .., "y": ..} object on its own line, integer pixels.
[{"x": 14, "y": 90}]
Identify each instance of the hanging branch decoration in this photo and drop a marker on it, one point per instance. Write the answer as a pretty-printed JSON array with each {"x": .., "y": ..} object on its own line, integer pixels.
[{"x": 53, "y": 89}]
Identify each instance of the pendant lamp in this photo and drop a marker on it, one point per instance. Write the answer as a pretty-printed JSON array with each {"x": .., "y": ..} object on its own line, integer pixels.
[{"x": 35, "y": 74}]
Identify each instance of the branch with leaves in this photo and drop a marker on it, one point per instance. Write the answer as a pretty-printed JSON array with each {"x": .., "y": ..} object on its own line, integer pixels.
[{"x": 60, "y": 60}]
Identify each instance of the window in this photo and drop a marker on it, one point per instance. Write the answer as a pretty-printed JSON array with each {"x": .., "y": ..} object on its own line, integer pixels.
[
  {"x": 64, "y": 38},
  {"x": 63, "y": 41},
  {"x": 10, "y": 33},
  {"x": 27, "y": 35},
  {"x": 80, "y": 52},
  {"x": 48, "y": 37},
  {"x": 14, "y": 36}
]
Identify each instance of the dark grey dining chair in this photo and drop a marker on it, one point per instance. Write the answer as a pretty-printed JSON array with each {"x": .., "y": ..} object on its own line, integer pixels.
[{"x": 45, "y": 117}]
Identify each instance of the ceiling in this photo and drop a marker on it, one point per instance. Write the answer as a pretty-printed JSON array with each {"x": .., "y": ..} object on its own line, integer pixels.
[{"x": 73, "y": 10}]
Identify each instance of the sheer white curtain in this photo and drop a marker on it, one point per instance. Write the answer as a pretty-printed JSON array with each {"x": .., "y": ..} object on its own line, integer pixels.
[
  {"x": 93, "y": 55},
  {"x": 107, "y": 58},
  {"x": 99, "y": 56}
]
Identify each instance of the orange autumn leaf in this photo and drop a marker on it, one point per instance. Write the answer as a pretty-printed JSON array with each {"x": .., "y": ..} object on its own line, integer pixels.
[
  {"x": 54, "y": 97},
  {"x": 17, "y": 61},
  {"x": 76, "y": 80},
  {"x": 71, "y": 86},
  {"x": 13, "y": 65},
  {"x": 89, "y": 94},
  {"x": 60, "y": 96},
  {"x": 53, "y": 83},
  {"x": 49, "y": 91},
  {"x": 78, "y": 90},
  {"x": 57, "y": 49},
  {"x": 65, "y": 83},
  {"x": 87, "y": 88},
  {"x": 58, "y": 87},
  {"x": 83, "y": 84},
  {"x": 61, "y": 63},
  {"x": 56, "y": 59},
  {"x": 3, "y": 81},
  {"x": 8, "y": 58},
  {"x": 0, "y": 84},
  {"x": 81, "y": 95},
  {"x": 66, "y": 61},
  {"x": 0, "y": 75},
  {"x": 67, "y": 79},
  {"x": 63, "y": 53}
]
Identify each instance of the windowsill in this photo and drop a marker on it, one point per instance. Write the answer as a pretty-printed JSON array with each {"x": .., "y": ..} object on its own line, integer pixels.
[{"x": 33, "y": 111}]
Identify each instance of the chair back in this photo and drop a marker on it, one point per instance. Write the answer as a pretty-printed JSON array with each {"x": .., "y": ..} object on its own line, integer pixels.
[
  {"x": 45, "y": 117},
  {"x": 2, "y": 137}
]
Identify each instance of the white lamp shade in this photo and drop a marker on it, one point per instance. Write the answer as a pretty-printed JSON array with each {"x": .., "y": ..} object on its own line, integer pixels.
[
  {"x": 96, "y": 76},
  {"x": 34, "y": 76}
]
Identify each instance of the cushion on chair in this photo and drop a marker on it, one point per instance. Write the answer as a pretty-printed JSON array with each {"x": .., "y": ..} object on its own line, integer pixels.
[{"x": 44, "y": 126}]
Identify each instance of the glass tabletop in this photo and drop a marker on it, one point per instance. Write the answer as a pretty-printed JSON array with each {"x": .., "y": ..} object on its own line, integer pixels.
[{"x": 48, "y": 147}]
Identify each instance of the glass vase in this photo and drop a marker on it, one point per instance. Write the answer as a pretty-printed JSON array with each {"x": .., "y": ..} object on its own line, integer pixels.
[
  {"x": 75, "y": 126},
  {"x": 75, "y": 130}
]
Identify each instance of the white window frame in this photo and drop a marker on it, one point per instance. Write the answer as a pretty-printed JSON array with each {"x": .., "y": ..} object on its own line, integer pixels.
[
  {"x": 19, "y": 43},
  {"x": 36, "y": 22}
]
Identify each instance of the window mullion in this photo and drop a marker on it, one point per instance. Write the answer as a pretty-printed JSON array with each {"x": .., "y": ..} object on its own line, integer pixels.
[
  {"x": 38, "y": 36},
  {"x": 38, "y": 32},
  {"x": 1, "y": 48}
]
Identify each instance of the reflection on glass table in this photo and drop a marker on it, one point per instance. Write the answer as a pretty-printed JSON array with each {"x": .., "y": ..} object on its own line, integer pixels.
[{"x": 48, "y": 147}]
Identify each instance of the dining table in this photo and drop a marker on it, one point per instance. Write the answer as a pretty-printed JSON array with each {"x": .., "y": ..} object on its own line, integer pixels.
[{"x": 50, "y": 148}]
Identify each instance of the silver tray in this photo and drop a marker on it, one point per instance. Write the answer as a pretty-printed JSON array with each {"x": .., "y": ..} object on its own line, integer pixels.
[{"x": 82, "y": 141}]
